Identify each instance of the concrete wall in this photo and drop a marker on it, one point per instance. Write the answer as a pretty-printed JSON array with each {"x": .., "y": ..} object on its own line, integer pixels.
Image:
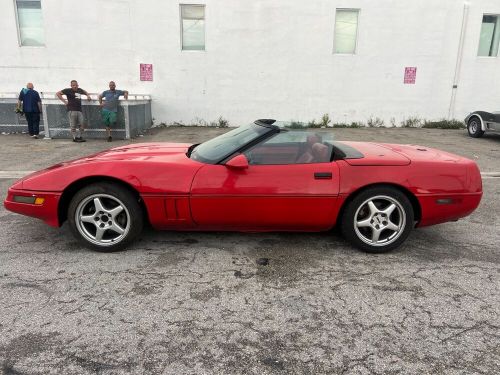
[{"x": 263, "y": 58}]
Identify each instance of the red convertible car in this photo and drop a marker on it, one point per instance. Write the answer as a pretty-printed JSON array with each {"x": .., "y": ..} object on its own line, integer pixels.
[{"x": 261, "y": 177}]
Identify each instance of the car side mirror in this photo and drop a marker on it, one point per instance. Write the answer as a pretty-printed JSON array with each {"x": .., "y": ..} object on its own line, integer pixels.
[{"x": 238, "y": 162}]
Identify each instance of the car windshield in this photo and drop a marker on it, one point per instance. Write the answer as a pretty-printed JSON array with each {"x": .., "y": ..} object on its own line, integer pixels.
[{"x": 226, "y": 144}]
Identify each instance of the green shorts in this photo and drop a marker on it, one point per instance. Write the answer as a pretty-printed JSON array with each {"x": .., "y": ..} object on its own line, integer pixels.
[{"x": 108, "y": 118}]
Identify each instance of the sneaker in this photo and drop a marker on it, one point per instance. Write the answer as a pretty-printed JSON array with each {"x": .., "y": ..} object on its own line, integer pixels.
[
  {"x": 80, "y": 139},
  {"x": 75, "y": 140},
  {"x": 34, "y": 136},
  {"x": 110, "y": 139}
]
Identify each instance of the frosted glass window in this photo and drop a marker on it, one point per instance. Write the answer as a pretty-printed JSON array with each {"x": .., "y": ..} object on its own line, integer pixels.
[
  {"x": 346, "y": 31},
  {"x": 193, "y": 27},
  {"x": 490, "y": 36},
  {"x": 29, "y": 20}
]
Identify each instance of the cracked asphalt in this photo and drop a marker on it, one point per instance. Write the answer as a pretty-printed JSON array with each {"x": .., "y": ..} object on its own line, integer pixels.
[{"x": 233, "y": 303}]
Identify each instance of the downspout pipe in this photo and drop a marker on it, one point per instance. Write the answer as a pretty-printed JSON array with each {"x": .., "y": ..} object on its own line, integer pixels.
[{"x": 458, "y": 64}]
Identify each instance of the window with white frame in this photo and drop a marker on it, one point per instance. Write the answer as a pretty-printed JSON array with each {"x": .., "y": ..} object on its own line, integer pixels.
[
  {"x": 29, "y": 22},
  {"x": 490, "y": 35},
  {"x": 193, "y": 27},
  {"x": 346, "y": 31}
]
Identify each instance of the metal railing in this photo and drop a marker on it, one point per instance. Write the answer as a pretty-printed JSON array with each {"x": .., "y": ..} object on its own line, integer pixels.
[
  {"x": 52, "y": 95},
  {"x": 134, "y": 116}
]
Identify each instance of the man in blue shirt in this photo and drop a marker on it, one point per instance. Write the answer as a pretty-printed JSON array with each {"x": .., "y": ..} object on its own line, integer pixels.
[
  {"x": 110, "y": 106},
  {"x": 32, "y": 106}
]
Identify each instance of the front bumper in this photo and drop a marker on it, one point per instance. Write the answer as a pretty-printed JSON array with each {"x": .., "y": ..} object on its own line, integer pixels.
[{"x": 47, "y": 211}]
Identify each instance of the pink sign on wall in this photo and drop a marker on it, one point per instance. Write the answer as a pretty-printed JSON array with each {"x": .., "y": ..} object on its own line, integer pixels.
[
  {"x": 146, "y": 72},
  {"x": 410, "y": 75}
]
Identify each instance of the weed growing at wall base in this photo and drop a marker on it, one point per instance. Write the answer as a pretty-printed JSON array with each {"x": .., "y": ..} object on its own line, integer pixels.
[
  {"x": 411, "y": 122},
  {"x": 351, "y": 125},
  {"x": 323, "y": 123},
  {"x": 415, "y": 122},
  {"x": 325, "y": 120},
  {"x": 222, "y": 122},
  {"x": 443, "y": 124},
  {"x": 375, "y": 122}
]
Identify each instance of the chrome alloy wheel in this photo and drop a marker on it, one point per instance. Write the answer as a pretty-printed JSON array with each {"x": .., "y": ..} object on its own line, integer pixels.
[
  {"x": 102, "y": 219},
  {"x": 473, "y": 126},
  {"x": 379, "y": 220}
]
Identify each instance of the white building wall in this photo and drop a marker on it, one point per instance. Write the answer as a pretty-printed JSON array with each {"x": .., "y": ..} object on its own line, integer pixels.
[{"x": 263, "y": 58}]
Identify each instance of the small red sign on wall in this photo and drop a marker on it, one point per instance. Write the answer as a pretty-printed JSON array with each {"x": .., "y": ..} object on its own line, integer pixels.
[
  {"x": 410, "y": 75},
  {"x": 146, "y": 72}
]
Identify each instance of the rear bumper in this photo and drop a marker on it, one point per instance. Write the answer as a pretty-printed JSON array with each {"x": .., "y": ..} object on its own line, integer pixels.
[
  {"x": 441, "y": 208},
  {"x": 47, "y": 211}
]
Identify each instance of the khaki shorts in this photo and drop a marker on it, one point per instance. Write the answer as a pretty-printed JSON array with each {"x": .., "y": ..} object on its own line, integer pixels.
[{"x": 76, "y": 118}]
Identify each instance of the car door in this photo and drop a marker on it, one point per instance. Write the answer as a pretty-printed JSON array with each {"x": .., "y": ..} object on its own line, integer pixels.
[{"x": 266, "y": 197}]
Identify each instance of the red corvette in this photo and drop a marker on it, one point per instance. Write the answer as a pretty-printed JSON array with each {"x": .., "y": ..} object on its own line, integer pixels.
[{"x": 261, "y": 177}]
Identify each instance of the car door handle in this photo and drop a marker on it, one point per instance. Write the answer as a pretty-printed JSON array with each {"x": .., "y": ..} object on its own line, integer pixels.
[{"x": 322, "y": 175}]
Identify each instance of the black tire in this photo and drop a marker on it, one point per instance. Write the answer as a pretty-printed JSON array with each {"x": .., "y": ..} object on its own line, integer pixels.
[
  {"x": 105, "y": 217},
  {"x": 474, "y": 127},
  {"x": 378, "y": 219}
]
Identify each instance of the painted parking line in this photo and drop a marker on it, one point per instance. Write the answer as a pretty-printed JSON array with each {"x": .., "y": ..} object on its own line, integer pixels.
[
  {"x": 14, "y": 174},
  {"x": 487, "y": 175}
]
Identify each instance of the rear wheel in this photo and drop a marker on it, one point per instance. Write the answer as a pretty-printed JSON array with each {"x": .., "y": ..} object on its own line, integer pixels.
[
  {"x": 474, "y": 127},
  {"x": 105, "y": 216},
  {"x": 377, "y": 220}
]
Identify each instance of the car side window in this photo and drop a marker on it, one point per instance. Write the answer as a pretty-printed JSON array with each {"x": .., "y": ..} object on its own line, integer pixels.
[{"x": 290, "y": 147}]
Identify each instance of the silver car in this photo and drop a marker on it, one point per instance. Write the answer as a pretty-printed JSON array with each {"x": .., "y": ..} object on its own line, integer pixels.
[{"x": 479, "y": 122}]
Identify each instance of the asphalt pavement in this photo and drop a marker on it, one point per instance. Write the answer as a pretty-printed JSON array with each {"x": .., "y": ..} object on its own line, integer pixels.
[{"x": 233, "y": 303}]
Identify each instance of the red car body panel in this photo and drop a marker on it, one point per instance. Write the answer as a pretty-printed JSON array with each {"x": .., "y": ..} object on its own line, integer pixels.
[
  {"x": 46, "y": 212},
  {"x": 151, "y": 169},
  {"x": 183, "y": 194},
  {"x": 447, "y": 186},
  {"x": 161, "y": 174},
  {"x": 377, "y": 155},
  {"x": 169, "y": 211},
  {"x": 266, "y": 197}
]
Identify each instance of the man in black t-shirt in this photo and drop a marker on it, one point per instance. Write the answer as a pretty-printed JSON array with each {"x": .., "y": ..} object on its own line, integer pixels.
[{"x": 73, "y": 103}]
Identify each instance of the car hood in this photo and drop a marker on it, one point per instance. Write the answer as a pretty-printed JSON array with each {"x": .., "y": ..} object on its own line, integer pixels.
[
  {"x": 140, "y": 151},
  {"x": 155, "y": 152},
  {"x": 396, "y": 154}
]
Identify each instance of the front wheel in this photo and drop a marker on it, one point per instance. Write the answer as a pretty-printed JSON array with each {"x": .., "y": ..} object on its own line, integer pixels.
[
  {"x": 105, "y": 216},
  {"x": 377, "y": 220},
  {"x": 474, "y": 128}
]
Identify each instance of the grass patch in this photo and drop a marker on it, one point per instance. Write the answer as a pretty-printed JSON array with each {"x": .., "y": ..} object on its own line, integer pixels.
[
  {"x": 444, "y": 124},
  {"x": 351, "y": 125},
  {"x": 326, "y": 122},
  {"x": 375, "y": 122},
  {"x": 411, "y": 122}
]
